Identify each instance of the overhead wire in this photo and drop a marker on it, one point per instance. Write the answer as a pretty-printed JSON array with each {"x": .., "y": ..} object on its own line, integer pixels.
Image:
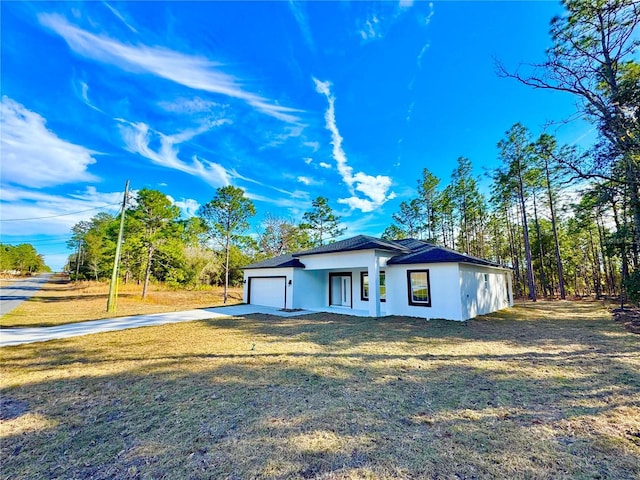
[{"x": 59, "y": 215}]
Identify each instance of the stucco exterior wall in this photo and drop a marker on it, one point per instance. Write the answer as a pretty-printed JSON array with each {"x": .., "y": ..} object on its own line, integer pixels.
[
  {"x": 482, "y": 290},
  {"x": 343, "y": 260},
  {"x": 444, "y": 280},
  {"x": 311, "y": 288}
]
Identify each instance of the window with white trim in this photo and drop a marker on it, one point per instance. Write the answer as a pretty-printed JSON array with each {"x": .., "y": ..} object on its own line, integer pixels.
[{"x": 418, "y": 288}]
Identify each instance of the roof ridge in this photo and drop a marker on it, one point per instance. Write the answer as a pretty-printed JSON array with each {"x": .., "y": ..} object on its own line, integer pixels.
[{"x": 357, "y": 242}]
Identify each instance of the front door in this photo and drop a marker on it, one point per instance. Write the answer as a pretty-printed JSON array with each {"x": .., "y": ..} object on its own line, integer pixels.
[
  {"x": 340, "y": 290},
  {"x": 346, "y": 291}
]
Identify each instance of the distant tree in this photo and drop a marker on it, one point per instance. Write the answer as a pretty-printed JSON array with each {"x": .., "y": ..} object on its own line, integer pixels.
[
  {"x": 23, "y": 258},
  {"x": 99, "y": 243},
  {"x": 545, "y": 148},
  {"x": 516, "y": 152},
  {"x": 6, "y": 257},
  {"x": 321, "y": 223},
  {"x": 279, "y": 236},
  {"x": 154, "y": 223},
  {"x": 471, "y": 208},
  {"x": 409, "y": 218},
  {"x": 226, "y": 218},
  {"x": 428, "y": 196},
  {"x": 393, "y": 232},
  {"x": 444, "y": 208},
  {"x": 504, "y": 205},
  {"x": 78, "y": 232}
]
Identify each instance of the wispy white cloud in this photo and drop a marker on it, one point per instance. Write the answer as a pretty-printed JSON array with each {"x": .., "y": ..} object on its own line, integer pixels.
[
  {"x": 427, "y": 19},
  {"x": 324, "y": 165},
  {"x": 297, "y": 9},
  {"x": 290, "y": 194},
  {"x": 54, "y": 216},
  {"x": 84, "y": 95},
  {"x": 279, "y": 139},
  {"x": 374, "y": 188},
  {"x": 308, "y": 180},
  {"x": 372, "y": 28},
  {"x": 33, "y": 155},
  {"x": 308, "y": 160},
  {"x": 138, "y": 138},
  {"x": 419, "y": 62},
  {"x": 293, "y": 203},
  {"x": 315, "y": 146},
  {"x": 422, "y": 53},
  {"x": 410, "y": 111},
  {"x": 382, "y": 16},
  {"x": 188, "y": 206},
  {"x": 195, "y": 72},
  {"x": 120, "y": 17},
  {"x": 63, "y": 211},
  {"x": 190, "y": 105}
]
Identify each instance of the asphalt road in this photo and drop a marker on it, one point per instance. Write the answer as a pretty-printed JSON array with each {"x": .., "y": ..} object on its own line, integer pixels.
[{"x": 13, "y": 295}]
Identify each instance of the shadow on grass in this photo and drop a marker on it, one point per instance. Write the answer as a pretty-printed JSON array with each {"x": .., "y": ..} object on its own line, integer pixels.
[
  {"x": 518, "y": 327},
  {"x": 243, "y": 421},
  {"x": 330, "y": 396}
]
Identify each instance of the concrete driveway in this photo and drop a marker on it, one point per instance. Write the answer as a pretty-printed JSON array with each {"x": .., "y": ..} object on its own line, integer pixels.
[
  {"x": 19, "y": 290},
  {"x": 18, "y": 336}
]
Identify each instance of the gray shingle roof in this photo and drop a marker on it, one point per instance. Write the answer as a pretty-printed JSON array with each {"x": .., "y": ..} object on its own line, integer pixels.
[
  {"x": 282, "y": 261},
  {"x": 411, "y": 243},
  {"x": 428, "y": 253},
  {"x": 409, "y": 251},
  {"x": 360, "y": 242}
]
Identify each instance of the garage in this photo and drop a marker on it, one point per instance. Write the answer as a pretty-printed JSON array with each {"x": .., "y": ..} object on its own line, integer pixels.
[{"x": 267, "y": 291}]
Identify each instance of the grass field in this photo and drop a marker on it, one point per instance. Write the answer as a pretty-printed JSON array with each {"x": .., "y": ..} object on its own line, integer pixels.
[
  {"x": 550, "y": 390},
  {"x": 61, "y": 301}
]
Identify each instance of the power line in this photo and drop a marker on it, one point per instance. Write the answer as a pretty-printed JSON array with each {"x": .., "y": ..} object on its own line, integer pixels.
[
  {"x": 55, "y": 216},
  {"x": 35, "y": 241}
]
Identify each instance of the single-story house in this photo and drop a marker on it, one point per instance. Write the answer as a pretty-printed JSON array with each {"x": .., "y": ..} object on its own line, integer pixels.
[{"x": 373, "y": 277}]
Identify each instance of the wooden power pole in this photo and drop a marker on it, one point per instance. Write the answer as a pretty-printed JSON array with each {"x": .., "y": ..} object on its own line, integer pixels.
[{"x": 113, "y": 286}]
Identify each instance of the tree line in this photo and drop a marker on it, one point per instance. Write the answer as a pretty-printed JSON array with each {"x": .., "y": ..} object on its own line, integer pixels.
[
  {"x": 208, "y": 249},
  {"x": 589, "y": 243},
  {"x": 22, "y": 259}
]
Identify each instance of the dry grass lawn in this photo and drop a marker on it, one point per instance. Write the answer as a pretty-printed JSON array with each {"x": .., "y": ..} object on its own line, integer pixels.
[
  {"x": 542, "y": 391},
  {"x": 61, "y": 301}
]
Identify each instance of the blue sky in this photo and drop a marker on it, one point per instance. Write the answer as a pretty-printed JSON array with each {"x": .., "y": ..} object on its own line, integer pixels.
[{"x": 287, "y": 100}]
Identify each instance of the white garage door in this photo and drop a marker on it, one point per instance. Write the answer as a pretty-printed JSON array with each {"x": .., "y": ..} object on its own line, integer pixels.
[{"x": 267, "y": 291}]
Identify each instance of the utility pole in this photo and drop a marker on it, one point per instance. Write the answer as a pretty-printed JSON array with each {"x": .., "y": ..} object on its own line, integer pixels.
[{"x": 113, "y": 286}]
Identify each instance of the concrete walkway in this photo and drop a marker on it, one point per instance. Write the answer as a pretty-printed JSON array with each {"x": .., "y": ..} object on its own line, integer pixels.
[{"x": 18, "y": 336}]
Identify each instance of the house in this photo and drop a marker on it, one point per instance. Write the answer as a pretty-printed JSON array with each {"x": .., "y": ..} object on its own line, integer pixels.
[{"x": 373, "y": 277}]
